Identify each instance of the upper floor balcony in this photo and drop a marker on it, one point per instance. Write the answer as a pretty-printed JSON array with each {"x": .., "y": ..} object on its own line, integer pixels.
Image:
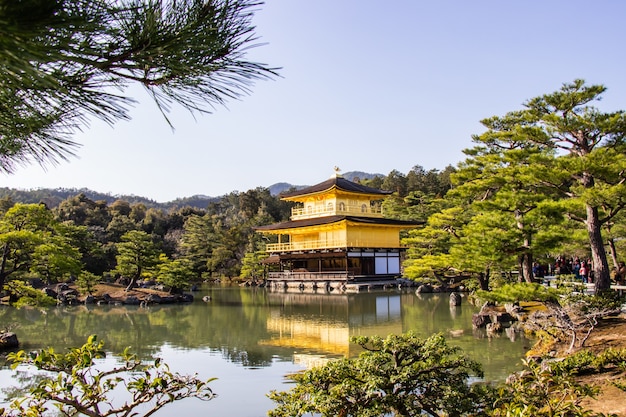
[
  {"x": 308, "y": 212},
  {"x": 329, "y": 244},
  {"x": 307, "y": 245}
]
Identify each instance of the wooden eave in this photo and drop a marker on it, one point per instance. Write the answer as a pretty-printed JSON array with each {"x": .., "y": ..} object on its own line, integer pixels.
[
  {"x": 312, "y": 255},
  {"x": 279, "y": 228},
  {"x": 336, "y": 185}
]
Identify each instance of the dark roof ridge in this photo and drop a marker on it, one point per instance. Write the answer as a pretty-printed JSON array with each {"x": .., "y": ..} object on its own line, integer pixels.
[
  {"x": 339, "y": 182},
  {"x": 316, "y": 221}
]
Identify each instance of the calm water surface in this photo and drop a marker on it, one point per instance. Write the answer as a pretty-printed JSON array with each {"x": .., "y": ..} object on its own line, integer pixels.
[{"x": 250, "y": 339}]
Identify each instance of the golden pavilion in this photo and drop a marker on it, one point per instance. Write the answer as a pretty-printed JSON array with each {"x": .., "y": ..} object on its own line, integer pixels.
[{"x": 336, "y": 234}]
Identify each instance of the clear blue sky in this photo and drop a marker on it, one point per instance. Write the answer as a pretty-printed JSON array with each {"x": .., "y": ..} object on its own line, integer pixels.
[{"x": 366, "y": 85}]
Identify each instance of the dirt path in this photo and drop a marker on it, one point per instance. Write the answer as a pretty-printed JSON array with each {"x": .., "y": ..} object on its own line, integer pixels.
[{"x": 118, "y": 292}]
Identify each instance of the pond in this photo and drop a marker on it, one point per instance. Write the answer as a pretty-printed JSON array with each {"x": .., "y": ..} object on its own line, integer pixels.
[{"x": 252, "y": 338}]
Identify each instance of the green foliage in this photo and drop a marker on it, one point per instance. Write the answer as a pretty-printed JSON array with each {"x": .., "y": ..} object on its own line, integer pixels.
[
  {"x": 79, "y": 387},
  {"x": 91, "y": 251},
  {"x": 25, "y": 295},
  {"x": 519, "y": 291},
  {"x": 584, "y": 304},
  {"x": 86, "y": 282},
  {"x": 177, "y": 274},
  {"x": 32, "y": 243},
  {"x": 406, "y": 376},
  {"x": 487, "y": 242},
  {"x": 60, "y": 59},
  {"x": 429, "y": 246},
  {"x": 539, "y": 391},
  {"x": 537, "y": 180},
  {"x": 82, "y": 234},
  {"x": 401, "y": 375},
  {"x": 251, "y": 266},
  {"x": 588, "y": 168},
  {"x": 497, "y": 184},
  {"x": 587, "y": 362},
  {"x": 55, "y": 260},
  {"x": 137, "y": 254},
  {"x": 198, "y": 241}
]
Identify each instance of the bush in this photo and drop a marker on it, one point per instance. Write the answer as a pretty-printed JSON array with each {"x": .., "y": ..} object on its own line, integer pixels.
[
  {"x": 25, "y": 295},
  {"x": 539, "y": 392},
  {"x": 401, "y": 375},
  {"x": 77, "y": 387},
  {"x": 519, "y": 291},
  {"x": 87, "y": 281}
]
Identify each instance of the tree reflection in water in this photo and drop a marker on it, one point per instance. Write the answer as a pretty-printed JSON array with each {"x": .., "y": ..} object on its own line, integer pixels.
[{"x": 245, "y": 333}]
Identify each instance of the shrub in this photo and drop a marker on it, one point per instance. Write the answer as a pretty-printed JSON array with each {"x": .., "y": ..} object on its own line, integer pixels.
[
  {"x": 77, "y": 387},
  {"x": 520, "y": 291},
  {"x": 25, "y": 295}
]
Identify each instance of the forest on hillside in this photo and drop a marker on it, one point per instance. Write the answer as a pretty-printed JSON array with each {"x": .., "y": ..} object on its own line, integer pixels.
[
  {"x": 80, "y": 236},
  {"x": 52, "y": 197}
]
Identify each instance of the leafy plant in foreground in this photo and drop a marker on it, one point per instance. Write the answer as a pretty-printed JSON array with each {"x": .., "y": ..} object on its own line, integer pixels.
[
  {"x": 401, "y": 375},
  {"x": 79, "y": 388},
  {"x": 544, "y": 390}
]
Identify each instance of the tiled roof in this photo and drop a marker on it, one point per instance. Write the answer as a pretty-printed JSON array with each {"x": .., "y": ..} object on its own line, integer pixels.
[
  {"x": 318, "y": 221},
  {"x": 341, "y": 184}
]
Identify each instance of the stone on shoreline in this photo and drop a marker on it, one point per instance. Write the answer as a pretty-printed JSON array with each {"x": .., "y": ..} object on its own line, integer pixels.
[{"x": 8, "y": 340}]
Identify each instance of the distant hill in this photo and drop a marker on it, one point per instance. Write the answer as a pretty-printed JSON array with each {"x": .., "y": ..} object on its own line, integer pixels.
[
  {"x": 352, "y": 175},
  {"x": 280, "y": 187},
  {"x": 52, "y": 197},
  {"x": 199, "y": 201}
]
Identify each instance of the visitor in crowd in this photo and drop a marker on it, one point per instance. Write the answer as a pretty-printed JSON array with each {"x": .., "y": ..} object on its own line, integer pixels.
[
  {"x": 576, "y": 268},
  {"x": 584, "y": 272},
  {"x": 621, "y": 274}
]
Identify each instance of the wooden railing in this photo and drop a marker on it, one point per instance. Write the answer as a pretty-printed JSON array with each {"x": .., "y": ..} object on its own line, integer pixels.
[
  {"x": 308, "y": 245},
  {"x": 327, "y": 244},
  {"x": 299, "y": 213},
  {"x": 311, "y": 276}
]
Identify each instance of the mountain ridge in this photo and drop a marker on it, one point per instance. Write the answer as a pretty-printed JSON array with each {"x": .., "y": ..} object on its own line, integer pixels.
[{"x": 52, "y": 197}]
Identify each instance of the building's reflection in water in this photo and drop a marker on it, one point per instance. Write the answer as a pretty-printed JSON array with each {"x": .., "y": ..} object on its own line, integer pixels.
[{"x": 319, "y": 326}]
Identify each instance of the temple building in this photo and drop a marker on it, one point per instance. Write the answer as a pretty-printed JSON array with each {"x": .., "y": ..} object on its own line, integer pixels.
[{"x": 336, "y": 234}]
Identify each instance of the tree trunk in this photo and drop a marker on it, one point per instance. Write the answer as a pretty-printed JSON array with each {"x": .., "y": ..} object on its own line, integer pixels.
[
  {"x": 483, "y": 280},
  {"x": 526, "y": 258},
  {"x": 133, "y": 280},
  {"x": 132, "y": 284},
  {"x": 613, "y": 252},
  {"x": 3, "y": 264},
  {"x": 600, "y": 265},
  {"x": 526, "y": 267}
]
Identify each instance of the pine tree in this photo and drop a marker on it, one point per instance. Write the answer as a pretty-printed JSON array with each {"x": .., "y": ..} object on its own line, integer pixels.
[{"x": 63, "y": 62}]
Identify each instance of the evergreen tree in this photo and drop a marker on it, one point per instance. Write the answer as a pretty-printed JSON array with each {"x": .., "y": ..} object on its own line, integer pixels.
[
  {"x": 197, "y": 242},
  {"x": 65, "y": 61},
  {"x": 401, "y": 375},
  {"x": 396, "y": 182},
  {"x": 500, "y": 185},
  {"x": 23, "y": 228},
  {"x": 176, "y": 274},
  {"x": 137, "y": 255},
  {"x": 588, "y": 170},
  {"x": 55, "y": 260}
]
